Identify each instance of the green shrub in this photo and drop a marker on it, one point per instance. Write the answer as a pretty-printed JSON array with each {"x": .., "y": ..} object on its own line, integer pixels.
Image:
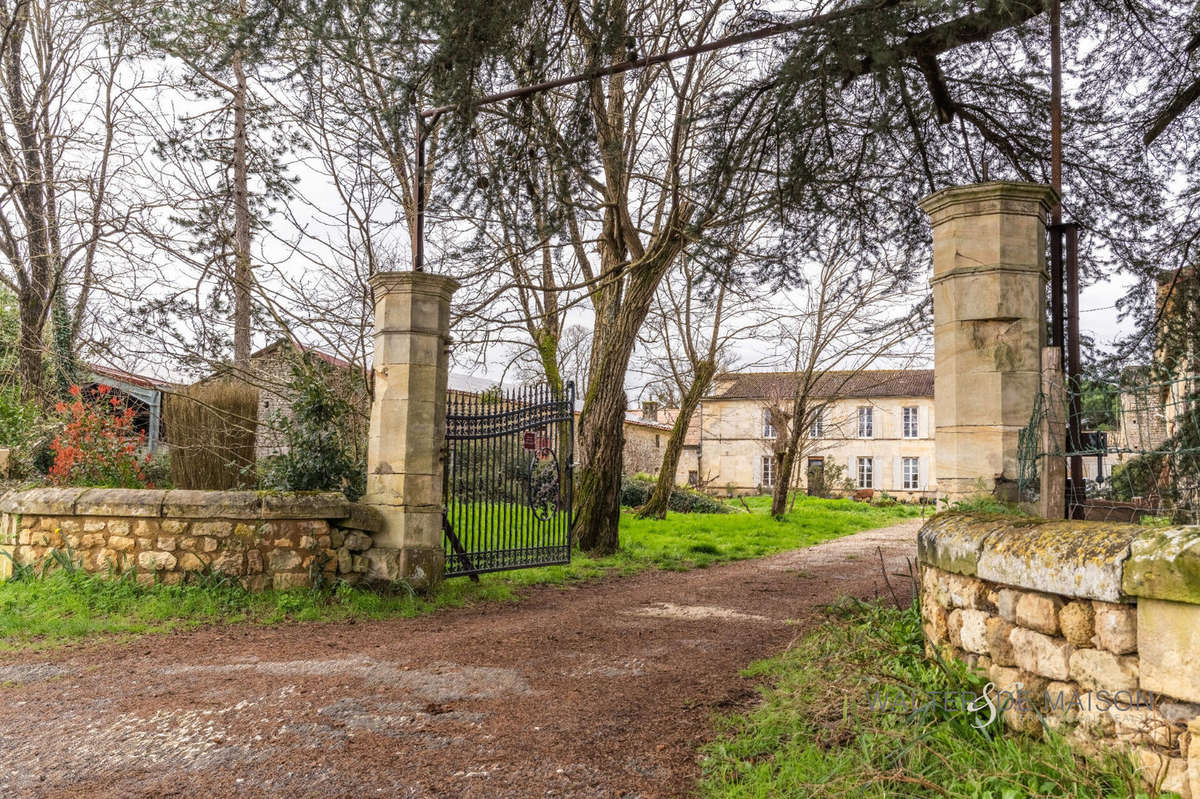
[
  {"x": 636, "y": 491},
  {"x": 17, "y": 418},
  {"x": 1139, "y": 477},
  {"x": 988, "y": 505},
  {"x": 321, "y": 435},
  {"x": 885, "y": 500}
]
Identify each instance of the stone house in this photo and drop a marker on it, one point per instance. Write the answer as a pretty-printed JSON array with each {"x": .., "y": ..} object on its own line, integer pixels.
[
  {"x": 876, "y": 425},
  {"x": 646, "y": 435},
  {"x": 271, "y": 368}
]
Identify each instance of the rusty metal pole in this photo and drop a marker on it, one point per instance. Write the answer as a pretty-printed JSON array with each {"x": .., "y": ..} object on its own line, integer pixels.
[
  {"x": 419, "y": 179},
  {"x": 1074, "y": 375},
  {"x": 1057, "y": 320},
  {"x": 1056, "y": 107},
  {"x": 1056, "y": 234}
]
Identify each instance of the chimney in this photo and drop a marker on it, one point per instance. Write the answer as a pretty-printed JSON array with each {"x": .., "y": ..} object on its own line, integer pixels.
[{"x": 650, "y": 411}]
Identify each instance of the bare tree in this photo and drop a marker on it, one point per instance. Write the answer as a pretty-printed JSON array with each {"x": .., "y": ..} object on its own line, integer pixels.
[
  {"x": 66, "y": 98},
  {"x": 852, "y": 313},
  {"x": 691, "y": 329}
]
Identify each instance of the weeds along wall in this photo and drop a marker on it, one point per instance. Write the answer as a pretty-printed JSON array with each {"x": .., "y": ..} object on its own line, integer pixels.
[
  {"x": 263, "y": 540},
  {"x": 1088, "y": 628}
]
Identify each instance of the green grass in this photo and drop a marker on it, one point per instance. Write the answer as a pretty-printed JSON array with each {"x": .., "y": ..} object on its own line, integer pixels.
[
  {"x": 63, "y": 605},
  {"x": 816, "y": 735}
]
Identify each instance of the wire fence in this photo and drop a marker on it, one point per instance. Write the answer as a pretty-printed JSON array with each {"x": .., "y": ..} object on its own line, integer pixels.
[{"x": 1139, "y": 445}]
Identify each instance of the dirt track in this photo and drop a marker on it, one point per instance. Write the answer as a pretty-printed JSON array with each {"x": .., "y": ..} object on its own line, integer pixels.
[{"x": 601, "y": 690}]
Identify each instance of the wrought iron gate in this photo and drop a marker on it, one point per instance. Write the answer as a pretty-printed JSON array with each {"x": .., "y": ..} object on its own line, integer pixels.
[{"x": 508, "y": 479}]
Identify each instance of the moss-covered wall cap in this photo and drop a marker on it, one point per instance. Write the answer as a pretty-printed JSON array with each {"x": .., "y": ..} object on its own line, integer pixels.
[
  {"x": 187, "y": 504},
  {"x": 952, "y": 541},
  {"x": 1165, "y": 564},
  {"x": 1072, "y": 558},
  {"x": 1078, "y": 559}
]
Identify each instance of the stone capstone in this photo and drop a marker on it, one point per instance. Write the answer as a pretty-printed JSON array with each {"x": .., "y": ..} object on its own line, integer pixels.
[
  {"x": 128, "y": 502},
  {"x": 1165, "y": 564},
  {"x": 1072, "y": 558},
  {"x": 952, "y": 542},
  {"x": 48, "y": 501}
]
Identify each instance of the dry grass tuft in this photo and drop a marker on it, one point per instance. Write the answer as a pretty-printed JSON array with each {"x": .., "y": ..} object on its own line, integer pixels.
[{"x": 210, "y": 428}]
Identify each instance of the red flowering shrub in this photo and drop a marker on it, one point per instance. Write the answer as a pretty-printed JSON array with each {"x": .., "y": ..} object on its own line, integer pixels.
[{"x": 98, "y": 445}]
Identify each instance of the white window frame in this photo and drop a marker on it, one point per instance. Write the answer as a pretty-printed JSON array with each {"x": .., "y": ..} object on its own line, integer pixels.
[
  {"x": 910, "y": 468},
  {"x": 768, "y": 471},
  {"x": 868, "y": 472},
  {"x": 911, "y": 422},
  {"x": 866, "y": 413},
  {"x": 768, "y": 429},
  {"x": 816, "y": 428}
]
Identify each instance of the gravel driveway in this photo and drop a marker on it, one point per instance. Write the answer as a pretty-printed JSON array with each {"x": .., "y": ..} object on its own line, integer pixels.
[{"x": 600, "y": 690}]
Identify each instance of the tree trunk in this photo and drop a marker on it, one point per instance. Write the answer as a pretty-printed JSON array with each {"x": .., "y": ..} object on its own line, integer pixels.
[
  {"x": 601, "y": 446},
  {"x": 656, "y": 506},
  {"x": 30, "y": 348},
  {"x": 241, "y": 220},
  {"x": 602, "y": 421},
  {"x": 785, "y": 461},
  {"x": 598, "y": 480}
]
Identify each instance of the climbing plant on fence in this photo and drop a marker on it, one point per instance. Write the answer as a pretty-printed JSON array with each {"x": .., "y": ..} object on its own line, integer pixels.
[{"x": 1140, "y": 442}]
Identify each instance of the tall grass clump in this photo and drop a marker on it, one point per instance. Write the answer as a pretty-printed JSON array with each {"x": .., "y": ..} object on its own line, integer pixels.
[
  {"x": 210, "y": 428},
  {"x": 821, "y": 729}
]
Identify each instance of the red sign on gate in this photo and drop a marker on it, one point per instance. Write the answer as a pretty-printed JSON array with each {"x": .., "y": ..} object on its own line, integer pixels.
[{"x": 530, "y": 440}]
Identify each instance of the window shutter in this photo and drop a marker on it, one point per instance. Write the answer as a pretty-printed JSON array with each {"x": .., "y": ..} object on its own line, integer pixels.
[
  {"x": 852, "y": 470},
  {"x": 897, "y": 473},
  {"x": 923, "y": 430},
  {"x": 925, "y": 478},
  {"x": 758, "y": 471}
]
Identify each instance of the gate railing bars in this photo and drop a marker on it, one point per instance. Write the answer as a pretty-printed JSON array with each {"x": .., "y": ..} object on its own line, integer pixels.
[{"x": 508, "y": 479}]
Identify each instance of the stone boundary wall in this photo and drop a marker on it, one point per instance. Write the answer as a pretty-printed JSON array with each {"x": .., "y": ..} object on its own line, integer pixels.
[
  {"x": 265, "y": 540},
  {"x": 1095, "y": 626}
]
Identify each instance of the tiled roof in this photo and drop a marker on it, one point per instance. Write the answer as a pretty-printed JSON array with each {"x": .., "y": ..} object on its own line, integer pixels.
[
  {"x": 868, "y": 384},
  {"x": 99, "y": 373},
  {"x": 635, "y": 417},
  {"x": 283, "y": 343}
]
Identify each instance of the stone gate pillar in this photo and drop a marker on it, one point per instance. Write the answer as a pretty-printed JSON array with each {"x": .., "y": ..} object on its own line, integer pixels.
[
  {"x": 408, "y": 424},
  {"x": 989, "y": 290}
]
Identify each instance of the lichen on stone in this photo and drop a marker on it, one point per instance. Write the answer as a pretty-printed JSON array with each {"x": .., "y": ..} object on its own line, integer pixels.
[{"x": 1165, "y": 564}]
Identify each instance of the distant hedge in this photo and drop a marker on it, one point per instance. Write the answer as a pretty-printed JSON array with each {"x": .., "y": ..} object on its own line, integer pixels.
[{"x": 636, "y": 491}]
